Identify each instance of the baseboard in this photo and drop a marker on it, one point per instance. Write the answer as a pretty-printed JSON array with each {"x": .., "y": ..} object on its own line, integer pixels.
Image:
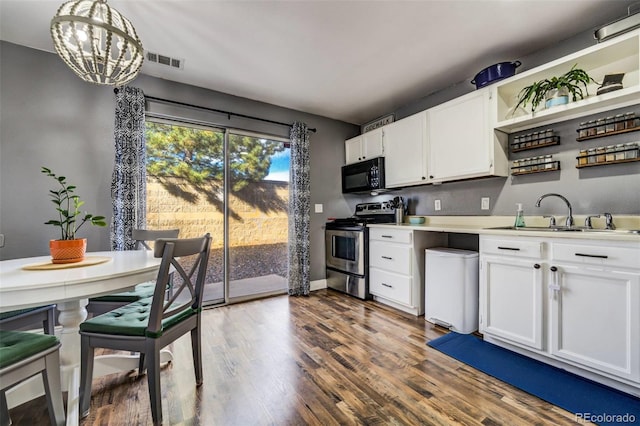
[{"x": 318, "y": 284}]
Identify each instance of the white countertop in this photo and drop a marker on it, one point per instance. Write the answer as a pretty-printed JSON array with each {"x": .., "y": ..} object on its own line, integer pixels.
[{"x": 480, "y": 225}]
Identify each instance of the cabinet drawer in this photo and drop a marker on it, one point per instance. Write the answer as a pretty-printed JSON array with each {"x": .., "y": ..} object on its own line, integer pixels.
[
  {"x": 390, "y": 286},
  {"x": 395, "y": 235},
  {"x": 592, "y": 254},
  {"x": 391, "y": 257},
  {"x": 510, "y": 247}
]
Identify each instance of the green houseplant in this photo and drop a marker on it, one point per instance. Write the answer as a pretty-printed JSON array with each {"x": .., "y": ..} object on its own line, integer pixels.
[
  {"x": 68, "y": 248},
  {"x": 556, "y": 90}
]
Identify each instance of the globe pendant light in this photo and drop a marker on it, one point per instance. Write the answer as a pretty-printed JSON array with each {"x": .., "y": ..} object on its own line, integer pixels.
[{"x": 97, "y": 42}]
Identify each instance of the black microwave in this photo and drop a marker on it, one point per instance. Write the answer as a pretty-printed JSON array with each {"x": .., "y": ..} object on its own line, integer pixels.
[{"x": 365, "y": 176}]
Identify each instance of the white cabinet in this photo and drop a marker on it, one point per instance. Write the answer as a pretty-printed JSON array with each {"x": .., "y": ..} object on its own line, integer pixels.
[
  {"x": 405, "y": 151},
  {"x": 462, "y": 142},
  {"x": 396, "y": 266},
  {"x": 595, "y": 307},
  {"x": 511, "y": 291},
  {"x": 571, "y": 303},
  {"x": 364, "y": 147}
]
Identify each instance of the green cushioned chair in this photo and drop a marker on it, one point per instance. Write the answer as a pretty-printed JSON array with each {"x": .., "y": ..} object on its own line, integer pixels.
[
  {"x": 148, "y": 325},
  {"x": 24, "y": 355},
  {"x": 25, "y": 319},
  {"x": 102, "y": 304}
]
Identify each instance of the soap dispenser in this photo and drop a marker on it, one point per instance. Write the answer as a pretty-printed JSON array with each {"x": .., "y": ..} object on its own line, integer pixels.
[{"x": 519, "y": 216}]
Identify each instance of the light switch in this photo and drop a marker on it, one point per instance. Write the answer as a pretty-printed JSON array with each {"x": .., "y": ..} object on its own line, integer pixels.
[
  {"x": 484, "y": 203},
  {"x": 437, "y": 205},
  {"x": 318, "y": 208}
]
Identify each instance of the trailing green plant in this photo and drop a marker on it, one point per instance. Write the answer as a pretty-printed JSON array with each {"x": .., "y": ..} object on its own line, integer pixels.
[
  {"x": 574, "y": 81},
  {"x": 68, "y": 207}
]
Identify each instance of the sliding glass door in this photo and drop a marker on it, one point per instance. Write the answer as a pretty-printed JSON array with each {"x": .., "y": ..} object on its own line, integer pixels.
[{"x": 234, "y": 186}]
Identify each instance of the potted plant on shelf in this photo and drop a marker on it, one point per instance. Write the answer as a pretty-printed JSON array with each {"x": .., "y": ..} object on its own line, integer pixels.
[
  {"x": 68, "y": 249},
  {"x": 556, "y": 90}
]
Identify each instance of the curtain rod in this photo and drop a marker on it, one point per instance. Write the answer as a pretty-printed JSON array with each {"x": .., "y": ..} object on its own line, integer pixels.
[{"x": 228, "y": 113}]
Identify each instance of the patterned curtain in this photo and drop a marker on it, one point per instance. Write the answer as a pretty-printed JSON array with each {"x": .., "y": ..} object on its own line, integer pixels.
[
  {"x": 128, "y": 182},
  {"x": 299, "y": 212}
]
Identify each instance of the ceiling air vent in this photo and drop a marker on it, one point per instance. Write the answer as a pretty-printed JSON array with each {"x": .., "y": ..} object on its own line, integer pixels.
[{"x": 165, "y": 60}]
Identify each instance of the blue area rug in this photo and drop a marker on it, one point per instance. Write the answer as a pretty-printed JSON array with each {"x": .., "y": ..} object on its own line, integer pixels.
[{"x": 587, "y": 399}]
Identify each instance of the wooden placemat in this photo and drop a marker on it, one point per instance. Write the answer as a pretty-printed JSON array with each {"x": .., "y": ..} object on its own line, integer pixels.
[{"x": 47, "y": 266}]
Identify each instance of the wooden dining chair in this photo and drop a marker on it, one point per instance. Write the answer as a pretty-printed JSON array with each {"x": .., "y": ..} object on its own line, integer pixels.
[
  {"x": 30, "y": 318},
  {"x": 148, "y": 325},
  {"x": 24, "y": 355},
  {"x": 109, "y": 302}
]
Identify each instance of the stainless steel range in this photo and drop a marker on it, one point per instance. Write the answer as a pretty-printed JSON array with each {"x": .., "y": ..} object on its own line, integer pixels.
[{"x": 347, "y": 248}]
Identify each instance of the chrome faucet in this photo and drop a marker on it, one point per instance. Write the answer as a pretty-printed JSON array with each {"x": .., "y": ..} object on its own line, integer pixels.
[
  {"x": 569, "y": 221},
  {"x": 608, "y": 218}
]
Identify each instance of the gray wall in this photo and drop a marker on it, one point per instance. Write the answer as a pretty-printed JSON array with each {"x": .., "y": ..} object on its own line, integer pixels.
[
  {"x": 49, "y": 117},
  {"x": 614, "y": 188}
]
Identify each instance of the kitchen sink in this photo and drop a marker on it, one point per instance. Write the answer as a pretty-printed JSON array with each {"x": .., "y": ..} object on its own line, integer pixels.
[{"x": 566, "y": 229}]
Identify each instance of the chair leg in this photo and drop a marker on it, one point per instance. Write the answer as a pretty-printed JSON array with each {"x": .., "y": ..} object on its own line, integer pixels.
[
  {"x": 5, "y": 420},
  {"x": 141, "y": 364},
  {"x": 52, "y": 386},
  {"x": 197, "y": 354},
  {"x": 153, "y": 380},
  {"x": 86, "y": 375}
]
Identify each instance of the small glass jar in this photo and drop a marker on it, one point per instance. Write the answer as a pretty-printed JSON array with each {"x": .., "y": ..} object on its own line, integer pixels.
[
  {"x": 610, "y": 153},
  {"x": 619, "y": 151},
  {"x": 631, "y": 150},
  {"x": 609, "y": 124},
  {"x": 583, "y": 131},
  {"x": 601, "y": 126},
  {"x": 619, "y": 122},
  {"x": 630, "y": 120},
  {"x": 601, "y": 154},
  {"x": 591, "y": 128},
  {"x": 582, "y": 158},
  {"x": 591, "y": 156},
  {"x": 548, "y": 136}
]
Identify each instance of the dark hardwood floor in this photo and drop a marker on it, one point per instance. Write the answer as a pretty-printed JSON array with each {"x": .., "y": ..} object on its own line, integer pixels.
[{"x": 327, "y": 359}]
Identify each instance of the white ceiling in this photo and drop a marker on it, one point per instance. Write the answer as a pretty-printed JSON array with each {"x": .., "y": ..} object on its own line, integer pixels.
[{"x": 348, "y": 60}]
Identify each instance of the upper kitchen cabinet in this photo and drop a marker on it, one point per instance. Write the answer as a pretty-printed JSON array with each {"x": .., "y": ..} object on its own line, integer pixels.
[
  {"x": 462, "y": 142},
  {"x": 364, "y": 147},
  {"x": 405, "y": 151},
  {"x": 618, "y": 55}
]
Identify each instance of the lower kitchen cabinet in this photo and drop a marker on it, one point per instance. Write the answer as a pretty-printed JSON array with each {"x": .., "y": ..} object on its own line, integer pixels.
[
  {"x": 396, "y": 266},
  {"x": 576, "y": 304}
]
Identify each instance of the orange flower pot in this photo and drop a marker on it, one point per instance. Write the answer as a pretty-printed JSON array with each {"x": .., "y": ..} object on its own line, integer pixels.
[{"x": 68, "y": 251}]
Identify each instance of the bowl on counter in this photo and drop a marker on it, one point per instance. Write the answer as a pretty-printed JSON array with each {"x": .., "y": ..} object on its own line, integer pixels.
[{"x": 416, "y": 220}]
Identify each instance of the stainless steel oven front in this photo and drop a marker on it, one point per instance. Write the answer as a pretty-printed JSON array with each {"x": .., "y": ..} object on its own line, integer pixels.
[{"x": 346, "y": 257}]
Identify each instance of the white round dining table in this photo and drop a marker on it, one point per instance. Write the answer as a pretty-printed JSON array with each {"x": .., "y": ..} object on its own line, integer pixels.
[{"x": 70, "y": 288}]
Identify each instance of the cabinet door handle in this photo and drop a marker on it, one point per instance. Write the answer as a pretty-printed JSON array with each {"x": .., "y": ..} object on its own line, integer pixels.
[
  {"x": 386, "y": 285},
  {"x": 387, "y": 257},
  {"x": 554, "y": 287},
  {"x": 508, "y": 248},
  {"x": 387, "y": 236},
  {"x": 537, "y": 266},
  {"x": 597, "y": 256}
]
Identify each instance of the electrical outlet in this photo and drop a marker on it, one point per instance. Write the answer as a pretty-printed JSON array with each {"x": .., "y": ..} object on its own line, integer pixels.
[
  {"x": 318, "y": 208},
  {"x": 1, "y": 240},
  {"x": 484, "y": 203},
  {"x": 437, "y": 205}
]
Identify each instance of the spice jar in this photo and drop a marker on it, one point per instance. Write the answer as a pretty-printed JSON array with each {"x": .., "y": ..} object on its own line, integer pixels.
[
  {"x": 583, "y": 131},
  {"x": 591, "y": 156},
  {"x": 601, "y": 126},
  {"x": 630, "y": 120},
  {"x": 582, "y": 158},
  {"x": 619, "y": 122},
  {"x": 609, "y": 124},
  {"x": 601, "y": 154},
  {"x": 610, "y": 153},
  {"x": 619, "y": 152},
  {"x": 591, "y": 128},
  {"x": 631, "y": 150}
]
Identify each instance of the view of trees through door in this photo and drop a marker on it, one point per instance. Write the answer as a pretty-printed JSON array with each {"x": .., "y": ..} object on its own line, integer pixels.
[{"x": 186, "y": 190}]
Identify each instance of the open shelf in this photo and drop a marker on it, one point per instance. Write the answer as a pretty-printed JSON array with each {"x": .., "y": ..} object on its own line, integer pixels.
[
  {"x": 606, "y": 163},
  {"x": 620, "y": 54}
]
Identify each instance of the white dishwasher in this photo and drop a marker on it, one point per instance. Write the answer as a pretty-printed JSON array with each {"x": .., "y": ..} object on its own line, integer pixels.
[{"x": 451, "y": 288}]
